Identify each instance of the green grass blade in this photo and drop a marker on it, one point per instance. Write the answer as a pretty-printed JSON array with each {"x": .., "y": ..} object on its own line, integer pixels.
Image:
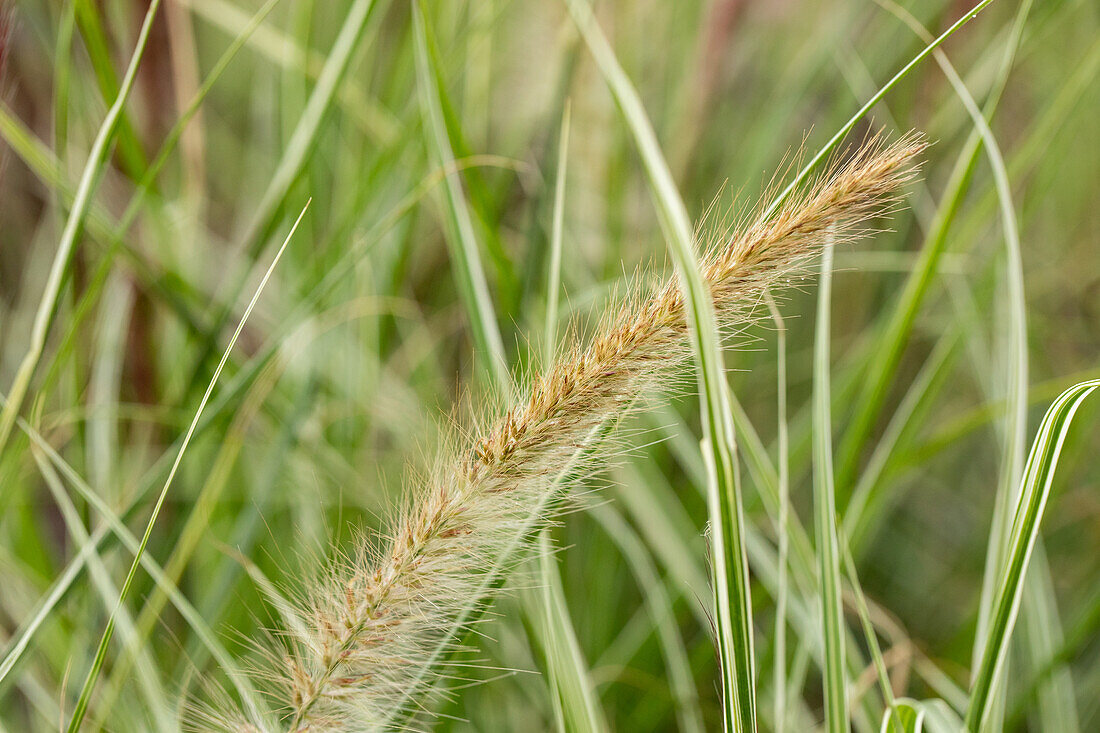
[
  {"x": 283, "y": 50},
  {"x": 474, "y": 289},
  {"x": 18, "y": 645},
  {"x": 522, "y": 540},
  {"x": 148, "y": 679},
  {"x": 1016, "y": 404},
  {"x": 918, "y": 716},
  {"x": 63, "y": 65},
  {"x": 46, "y": 166},
  {"x": 33, "y": 152},
  {"x": 115, "y": 525},
  {"x": 296, "y": 153},
  {"x": 784, "y": 538},
  {"x": 829, "y": 146},
  {"x": 479, "y": 201},
  {"x": 871, "y": 637},
  {"x": 733, "y": 606},
  {"x": 565, "y": 660},
  {"x": 192, "y": 532},
  {"x": 101, "y": 651},
  {"x": 769, "y": 484},
  {"x": 669, "y": 531},
  {"x": 883, "y": 362},
  {"x": 469, "y": 273},
  {"x": 171, "y": 140},
  {"x": 42, "y": 609},
  {"x": 867, "y": 493},
  {"x": 304, "y": 137},
  {"x": 553, "y": 283},
  {"x": 834, "y": 672},
  {"x": 904, "y": 716},
  {"x": 576, "y": 703},
  {"x": 762, "y": 471},
  {"x": 93, "y": 170},
  {"x": 1027, "y": 513},
  {"x": 939, "y": 718},
  {"x": 1055, "y": 703},
  {"x": 99, "y": 53}
]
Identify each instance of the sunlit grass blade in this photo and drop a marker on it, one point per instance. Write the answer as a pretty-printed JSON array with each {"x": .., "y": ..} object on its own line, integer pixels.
[
  {"x": 733, "y": 606},
  {"x": 834, "y": 673},
  {"x": 101, "y": 652},
  {"x": 1027, "y": 513},
  {"x": 93, "y": 171}
]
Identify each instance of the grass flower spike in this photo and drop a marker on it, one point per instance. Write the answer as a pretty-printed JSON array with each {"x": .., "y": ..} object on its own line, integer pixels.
[{"x": 370, "y": 628}]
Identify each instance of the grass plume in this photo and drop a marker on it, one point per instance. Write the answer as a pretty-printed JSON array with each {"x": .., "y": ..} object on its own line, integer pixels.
[{"x": 369, "y": 626}]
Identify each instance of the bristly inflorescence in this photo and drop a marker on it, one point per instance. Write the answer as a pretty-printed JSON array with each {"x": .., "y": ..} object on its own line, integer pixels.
[{"x": 373, "y": 632}]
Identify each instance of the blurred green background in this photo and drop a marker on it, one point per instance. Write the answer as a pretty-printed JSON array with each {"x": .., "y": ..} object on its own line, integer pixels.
[{"x": 360, "y": 349}]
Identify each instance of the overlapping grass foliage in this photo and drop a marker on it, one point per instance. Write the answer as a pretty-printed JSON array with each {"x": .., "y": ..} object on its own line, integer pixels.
[{"x": 841, "y": 528}]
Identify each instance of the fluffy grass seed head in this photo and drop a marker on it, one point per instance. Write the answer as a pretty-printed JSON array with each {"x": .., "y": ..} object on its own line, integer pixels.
[{"x": 372, "y": 627}]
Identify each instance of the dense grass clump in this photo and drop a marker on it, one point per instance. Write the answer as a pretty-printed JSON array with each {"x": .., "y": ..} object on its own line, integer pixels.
[{"x": 289, "y": 440}]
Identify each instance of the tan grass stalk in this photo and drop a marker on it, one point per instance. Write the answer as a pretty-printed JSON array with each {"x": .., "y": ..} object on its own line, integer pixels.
[{"x": 371, "y": 625}]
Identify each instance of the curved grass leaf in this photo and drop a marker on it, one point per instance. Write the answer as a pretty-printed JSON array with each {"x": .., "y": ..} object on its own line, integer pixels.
[
  {"x": 906, "y": 717},
  {"x": 828, "y": 553},
  {"x": 1027, "y": 514}
]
